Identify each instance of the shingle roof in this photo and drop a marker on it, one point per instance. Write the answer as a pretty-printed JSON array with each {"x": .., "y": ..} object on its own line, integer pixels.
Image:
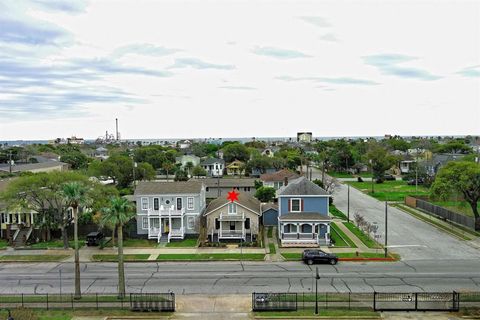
[
  {"x": 230, "y": 182},
  {"x": 212, "y": 161},
  {"x": 279, "y": 175},
  {"x": 178, "y": 187},
  {"x": 303, "y": 216},
  {"x": 268, "y": 206},
  {"x": 301, "y": 187},
  {"x": 244, "y": 199}
]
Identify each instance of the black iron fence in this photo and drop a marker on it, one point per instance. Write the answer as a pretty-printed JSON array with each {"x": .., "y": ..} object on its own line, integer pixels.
[
  {"x": 421, "y": 301},
  {"x": 140, "y": 302}
]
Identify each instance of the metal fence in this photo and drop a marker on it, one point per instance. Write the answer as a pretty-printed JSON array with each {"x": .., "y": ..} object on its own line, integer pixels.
[
  {"x": 421, "y": 301},
  {"x": 431, "y": 208},
  {"x": 151, "y": 302},
  {"x": 278, "y": 301},
  {"x": 418, "y": 301}
]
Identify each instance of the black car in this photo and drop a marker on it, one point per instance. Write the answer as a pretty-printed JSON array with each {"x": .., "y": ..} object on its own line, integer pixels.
[
  {"x": 389, "y": 177},
  {"x": 413, "y": 182},
  {"x": 313, "y": 256},
  {"x": 94, "y": 238}
]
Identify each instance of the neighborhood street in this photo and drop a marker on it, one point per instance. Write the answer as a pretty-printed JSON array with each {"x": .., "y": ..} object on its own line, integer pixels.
[
  {"x": 410, "y": 237},
  {"x": 247, "y": 277}
]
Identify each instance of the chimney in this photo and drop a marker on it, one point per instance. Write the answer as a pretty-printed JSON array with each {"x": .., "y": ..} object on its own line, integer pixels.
[{"x": 285, "y": 181}]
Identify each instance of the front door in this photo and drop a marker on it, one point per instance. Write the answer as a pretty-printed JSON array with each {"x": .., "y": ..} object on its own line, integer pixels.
[{"x": 166, "y": 226}]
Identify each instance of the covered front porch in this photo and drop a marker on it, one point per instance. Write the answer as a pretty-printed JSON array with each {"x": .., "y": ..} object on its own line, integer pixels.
[
  {"x": 295, "y": 231},
  {"x": 166, "y": 228}
]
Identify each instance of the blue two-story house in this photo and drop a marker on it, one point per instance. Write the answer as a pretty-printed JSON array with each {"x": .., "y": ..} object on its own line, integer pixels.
[
  {"x": 169, "y": 210},
  {"x": 303, "y": 214}
]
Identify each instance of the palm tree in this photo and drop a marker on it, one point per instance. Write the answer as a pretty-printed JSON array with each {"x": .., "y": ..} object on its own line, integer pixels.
[
  {"x": 189, "y": 166},
  {"x": 118, "y": 214},
  {"x": 75, "y": 195},
  {"x": 167, "y": 166}
]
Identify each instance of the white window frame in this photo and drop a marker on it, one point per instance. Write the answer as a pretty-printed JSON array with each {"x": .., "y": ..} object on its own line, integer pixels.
[
  {"x": 190, "y": 203},
  {"x": 145, "y": 223},
  {"x": 190, "y": 223},
  {"x": 230, "y": 206},
  {"x": 299, "y": 204},
  {"x": 145, "y": 204}
]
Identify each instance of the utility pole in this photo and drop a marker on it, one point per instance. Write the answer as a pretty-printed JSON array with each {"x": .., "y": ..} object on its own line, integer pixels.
[
  {"x": 371, "y": 166},
  {"x": 348, "y": 202},
  {"x": 317, "y": 277},
  {"x": 386, "y": 227},
  {"x": 10, "y": 162}
]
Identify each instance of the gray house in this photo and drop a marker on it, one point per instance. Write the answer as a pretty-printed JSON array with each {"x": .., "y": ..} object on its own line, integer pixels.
[
  {"x": 269, "y": 214},
  {"x": 218, "y": 187},
  {"x": 169, "y": 210},
  {"x": 213, "y": 166},
  {"x": 237, "y": 220}
]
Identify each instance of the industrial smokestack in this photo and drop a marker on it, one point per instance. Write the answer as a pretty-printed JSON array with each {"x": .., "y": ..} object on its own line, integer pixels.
[{"x": 116, "y": 128}]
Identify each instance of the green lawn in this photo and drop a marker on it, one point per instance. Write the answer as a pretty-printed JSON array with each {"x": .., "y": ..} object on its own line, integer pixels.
[
  {"x": 212, "y": 256},
  {"x": 309, "y": 312},
  {"x": 140, "y": 243},
  {"x": 348, "y": 175},
  {"x": 362, "y": 236},
  {"x": 334, "y": 211},
  {"x": 270, "y": 232},
  {"x": 68, "y": 314},
  {"x": 389, "y": 190},
  {"x": 340, "y": 238},
  {"x": 33, "y": 258},
  {"x": 271, "y": 246},
  {"x": 57, "y": 243},
  {"x": 183, "y": 243},
  {"x": 3, "y": 244},
  {"x": 114, "y": 257}
]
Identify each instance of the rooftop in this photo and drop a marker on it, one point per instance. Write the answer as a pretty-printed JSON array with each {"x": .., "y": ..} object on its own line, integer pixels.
[
  {"x": 244, "y": 199},
  {"x": 177, "y": 187},
  {"x": 301, "y": 187}
]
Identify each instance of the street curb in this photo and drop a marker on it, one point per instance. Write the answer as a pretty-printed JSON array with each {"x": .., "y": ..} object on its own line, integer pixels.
[
  {"x": 366, "y": 259},
  {"x": 316, "y": 317}
]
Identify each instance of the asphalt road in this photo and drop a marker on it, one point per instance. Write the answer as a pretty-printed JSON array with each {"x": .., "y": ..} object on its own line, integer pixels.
[
  {"x": 247, "y": 277},
  {"x": 412, "y": 238}
]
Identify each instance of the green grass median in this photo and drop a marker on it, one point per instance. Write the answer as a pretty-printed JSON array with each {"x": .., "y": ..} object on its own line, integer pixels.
[
  {"x": 271, "y": 246},
  {"x": 369, "y": 242},
  {"x": 340, "y": 238},
  {"x": 211, "y": 256},
  {"x": 33, "y": 258},
  {"x": 114, "y": 257},
  {"x": 389, "y": 190},
  {"x": 185, "y": 243},
  {"x": 309, "y": 312}
]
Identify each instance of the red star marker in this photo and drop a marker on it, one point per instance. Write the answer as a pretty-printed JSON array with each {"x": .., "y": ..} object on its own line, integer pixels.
[{"x": 233, "y": 195}]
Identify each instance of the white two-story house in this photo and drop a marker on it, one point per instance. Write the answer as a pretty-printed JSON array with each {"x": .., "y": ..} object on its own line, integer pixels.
[{"x": 169, "y": 210}]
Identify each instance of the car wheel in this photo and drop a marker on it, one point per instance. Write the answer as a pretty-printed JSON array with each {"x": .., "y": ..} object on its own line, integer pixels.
[
  {"x": 333, "y": 262},
  {"x": 309, "y": 262}
]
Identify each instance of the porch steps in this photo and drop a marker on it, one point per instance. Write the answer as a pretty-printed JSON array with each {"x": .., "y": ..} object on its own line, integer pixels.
[{"x": 21, "y": 238}]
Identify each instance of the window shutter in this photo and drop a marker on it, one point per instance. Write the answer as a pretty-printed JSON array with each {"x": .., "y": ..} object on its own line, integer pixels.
[
  {"x": 301, "y": 205},
  {"x": 217, "y": 224},
  {"x": 289, "y": 205},
  {"x": 247, "y": 223}
]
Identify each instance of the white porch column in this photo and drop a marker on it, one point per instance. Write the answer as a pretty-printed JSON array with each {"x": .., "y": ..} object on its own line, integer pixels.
[
  {"x": 327, "y": 235},
  {"x": 19, "y": 220},
  {"x": 181, "y": 219},
  {"x": 220, "y": 232},
  {"x": 31, "y": 218},
  {"x": 298, "y": 230}
]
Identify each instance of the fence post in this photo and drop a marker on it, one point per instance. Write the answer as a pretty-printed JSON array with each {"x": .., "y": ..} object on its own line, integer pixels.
[
  {"x": 374, "y": 301},
  {"x": 71, "y": 300},
  {"x": 22, "y": 300},
  {"x": 349, "y": 293},
  {"x": 47, "y": 301},
  {"x": 416, "y": 301},
  {"x": 96, "y": 299}
]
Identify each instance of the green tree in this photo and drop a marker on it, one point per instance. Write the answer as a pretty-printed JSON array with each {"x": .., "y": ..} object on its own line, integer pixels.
[
  {"x": 265, "y": 194},
  {"x": 379, "y": 160},
  {"x": 75, "y": 159},
  {"x": 75, "y": 195},
  {"x": 198, "y": 171},
  {"x": 168, "y": 167},
  {"x": 118, "y": 214},
  {"x": 236, "y": 151},
  {"x": 462, "y": 177},
  {"x": 189, "y": 166}
]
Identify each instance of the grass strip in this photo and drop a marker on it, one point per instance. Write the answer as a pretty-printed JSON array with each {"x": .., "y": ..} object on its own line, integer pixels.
[
  {"x": 114, "y": 257},
  {"x": 33, "y": 258},
  {"x": 3, "y": 244},
  {"x": 431, "y": 221},
  {"x": 333, "y": 313},
  {"x": 361, "y": 235},
  {"x": 69, "y": 314},
  {"x": 185, "y": 243},
  {"x": 211, "y": 256},
  {"x": 293, "y": 256},
  {"x": 55, "y": 244},
  {"x": 271, "y": 246},
  {"x": 270, "y": 232},
  {"x": 337, "y": 213},
  {"x": 340, "y": 238}
]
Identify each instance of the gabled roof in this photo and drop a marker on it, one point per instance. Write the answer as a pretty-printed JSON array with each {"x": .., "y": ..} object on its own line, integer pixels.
[
  {"x": 268, "y": 206},
  {"x": 279, "y": 176},
  {"x": 177, "y": 187},
  {"x": 229, "y": 182},
  {"x": 235, "y": 163},
  {"x": 212, "y": 161},
  {"x": 244, "y": 200},
  {"x": 301, "y": 187}
]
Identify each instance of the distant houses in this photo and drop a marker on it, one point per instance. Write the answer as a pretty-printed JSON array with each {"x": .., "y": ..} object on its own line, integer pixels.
[{"x": 213, "y": 166}]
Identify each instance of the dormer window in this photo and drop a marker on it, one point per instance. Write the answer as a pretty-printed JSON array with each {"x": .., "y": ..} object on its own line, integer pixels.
[
  {"x": 232, "y": 208},
  {"x": 295, "y": 205}
]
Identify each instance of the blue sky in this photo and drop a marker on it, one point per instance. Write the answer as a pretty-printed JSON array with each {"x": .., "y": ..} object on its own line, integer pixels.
[{"x": 238, "y": 68}]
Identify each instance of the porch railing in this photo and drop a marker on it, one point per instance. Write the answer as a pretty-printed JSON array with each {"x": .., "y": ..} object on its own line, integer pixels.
[
  {"x": 231, "y": 234},
  {"x": 299, "y": 236}
]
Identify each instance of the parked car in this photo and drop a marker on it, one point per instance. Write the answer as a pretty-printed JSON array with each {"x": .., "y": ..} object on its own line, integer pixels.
[
  {"x": 94, "y": 238},
  {"x": 389, "y": 177},
  {"x": 313, "y": 256},
  {"x": 413, "y": 182}
]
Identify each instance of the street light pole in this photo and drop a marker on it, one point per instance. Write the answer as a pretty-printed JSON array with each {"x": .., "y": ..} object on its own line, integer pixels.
[
  {"x": 386, "y": 228},
  {"x": 348, "y": 202},
  {"x": 317, "y": 277},
  {"x": 371, "y": 168}
]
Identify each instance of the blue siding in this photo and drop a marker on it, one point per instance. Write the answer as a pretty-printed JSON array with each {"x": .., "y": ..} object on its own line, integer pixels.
[
  {"x": 310, "y": 204},
  {"x": 270, "y": 217}
]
